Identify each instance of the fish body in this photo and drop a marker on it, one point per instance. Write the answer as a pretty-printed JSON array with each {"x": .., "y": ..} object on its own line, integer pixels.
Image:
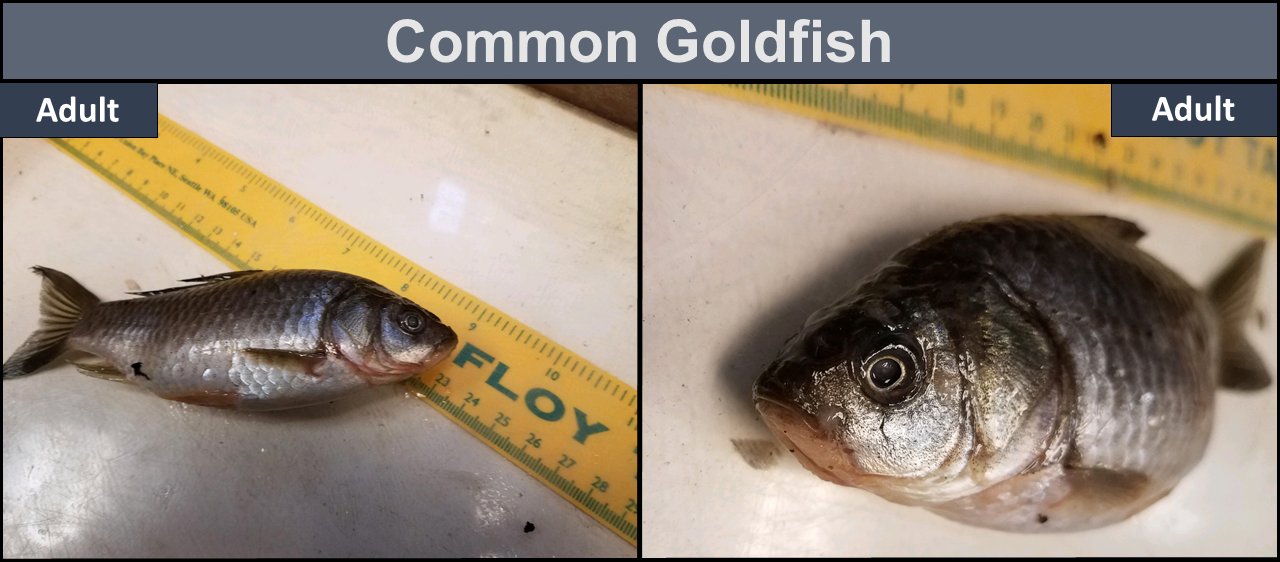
[
  {"x": 1023, "y": 373},
  {"x": 256, "y": 340}
]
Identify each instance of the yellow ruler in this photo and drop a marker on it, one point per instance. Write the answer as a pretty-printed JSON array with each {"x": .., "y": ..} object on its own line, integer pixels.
[
  {"x": 1064, "y": 129},
  {"x": 564, "y": 420}
]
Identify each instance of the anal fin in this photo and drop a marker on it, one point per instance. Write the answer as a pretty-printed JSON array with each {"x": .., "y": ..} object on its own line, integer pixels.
[{"x": 98, "y": 367}]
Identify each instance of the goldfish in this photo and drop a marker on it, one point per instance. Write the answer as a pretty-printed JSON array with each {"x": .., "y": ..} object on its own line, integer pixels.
[
  {"x": 248, "y": 340},
  {"x": 1021, "y": 373}
]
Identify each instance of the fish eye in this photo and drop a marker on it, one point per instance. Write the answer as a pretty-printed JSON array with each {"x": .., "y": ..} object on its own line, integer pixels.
[
  {"x": 890, "y": 371},
  {"x": 885, "y": 372},
  {"x": 412, "y": 322}
]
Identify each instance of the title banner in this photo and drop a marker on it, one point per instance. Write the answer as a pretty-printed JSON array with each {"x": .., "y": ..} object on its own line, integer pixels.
[{"x": 639, "y": 41}]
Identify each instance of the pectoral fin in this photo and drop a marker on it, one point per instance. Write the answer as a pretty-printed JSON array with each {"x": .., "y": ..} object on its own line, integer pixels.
[
  {"x": 302, "y": 361},
  {"x": 1056, "y": 499}
]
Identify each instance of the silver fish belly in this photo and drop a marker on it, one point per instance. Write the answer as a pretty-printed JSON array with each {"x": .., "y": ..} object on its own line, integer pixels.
[
  {"x": 1030, "y": 374},
  {"x": 246, "y": 340}
]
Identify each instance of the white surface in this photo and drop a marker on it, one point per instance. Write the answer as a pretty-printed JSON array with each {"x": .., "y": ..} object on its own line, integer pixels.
[
  {"x": 548, "y": 233},
  {"x": 752, "y": 220}
]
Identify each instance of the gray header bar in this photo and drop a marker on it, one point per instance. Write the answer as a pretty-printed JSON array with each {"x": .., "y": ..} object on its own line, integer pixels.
[{"x": 926, "y": 41}]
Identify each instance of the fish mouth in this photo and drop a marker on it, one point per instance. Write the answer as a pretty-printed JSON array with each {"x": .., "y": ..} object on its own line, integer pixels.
[{"x": 800, "y": 432}]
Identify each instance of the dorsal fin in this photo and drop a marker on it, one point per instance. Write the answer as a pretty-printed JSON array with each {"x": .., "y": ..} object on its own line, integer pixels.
[
  {"x": 1120, "y": 228},
  {"x": 200, "y": 282}
]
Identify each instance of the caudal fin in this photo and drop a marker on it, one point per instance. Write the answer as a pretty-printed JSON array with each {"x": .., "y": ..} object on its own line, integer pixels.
[
  {"x": 1232, "y": 295},
  {"x": 63, "y": 302}
]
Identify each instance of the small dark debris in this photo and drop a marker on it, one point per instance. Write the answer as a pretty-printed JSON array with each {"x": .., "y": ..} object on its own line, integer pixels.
[
  {"x": 1262, "y": 319},
  {"x": 137, "y": 371},
  {"x": 1042, "y": 518},
  {"x": 528, "y": 527},
  {"x": 1099, "y": 140}
]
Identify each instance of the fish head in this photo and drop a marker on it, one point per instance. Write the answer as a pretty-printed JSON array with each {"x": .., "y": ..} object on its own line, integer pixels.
[
  {"x": 388, "y": 338},
  {"x": 920, "y": 391}
]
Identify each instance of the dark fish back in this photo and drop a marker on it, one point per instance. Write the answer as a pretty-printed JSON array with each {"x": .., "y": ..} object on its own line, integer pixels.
[{"x": 285, "y": 306}]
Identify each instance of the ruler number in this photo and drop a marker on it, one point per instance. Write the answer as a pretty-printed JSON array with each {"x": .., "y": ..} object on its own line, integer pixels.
[
  {"x": 164, "y": 194},
  {"x": 600, "y": 485},
  {"x": 998, "y": 109},
  {"x": 442, "y": 380},
  {"x": 632, "y": 506},
  {"x": 293, "y": 217},
  {"x": 1037, "y": 122},
  {"x": 958, "y": 97},
  {"x": 197, "y": 218},
  {"x": 404, "y": 287},
  {"x": 533, "y": 440},
  {"x": 216, "y": 230},
  {"x": 555, "y": 375},
  {"x": 242, "y": 188},
  {"x": 502, "y": 420},
  {"x": 471, "y": 399},
  {"x": 566, "y": 462},
  {"x": 347, "y": 249},
  {"x": 255, "y": 256},
  {"x": 473, "y": 326}
]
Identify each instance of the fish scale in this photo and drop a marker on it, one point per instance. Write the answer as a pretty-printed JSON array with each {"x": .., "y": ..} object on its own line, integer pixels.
[
  {"x": 1121, "y": 303},
  {"x": 1039, "y": 374}
]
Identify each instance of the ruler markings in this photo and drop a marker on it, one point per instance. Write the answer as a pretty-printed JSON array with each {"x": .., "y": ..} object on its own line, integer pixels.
[{"x": 1062, "y": 129}]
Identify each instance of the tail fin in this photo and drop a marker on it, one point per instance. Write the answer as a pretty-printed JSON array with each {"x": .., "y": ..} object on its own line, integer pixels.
[
  {"x": 63, "y": 302},
  {"x": 1232, "y": 295}
]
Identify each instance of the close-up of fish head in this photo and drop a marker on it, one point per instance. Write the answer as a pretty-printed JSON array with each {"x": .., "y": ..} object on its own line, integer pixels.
[
  {"x": 388, "y": 337},
  {"x": 920, "y": 386}
]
